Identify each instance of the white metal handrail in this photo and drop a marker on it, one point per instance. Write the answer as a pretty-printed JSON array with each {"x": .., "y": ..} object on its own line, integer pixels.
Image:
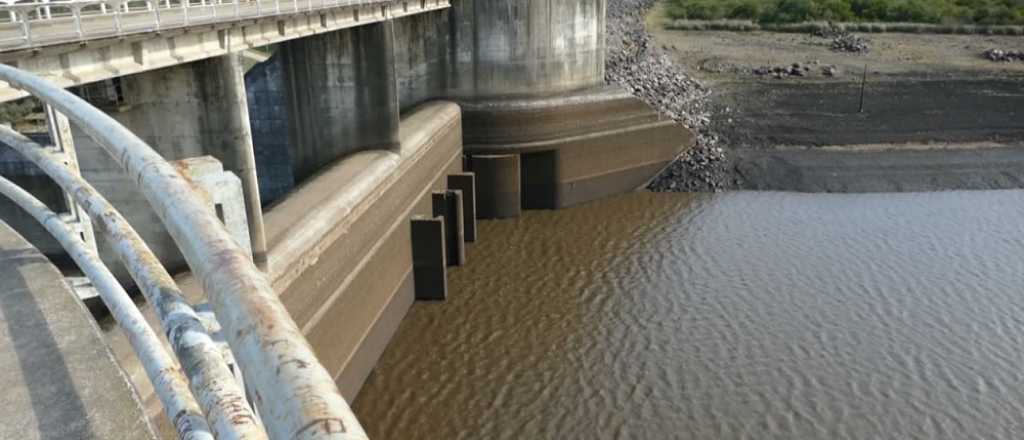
[
  {"x": 38, "y": 23},
  {"x": 163, "y": 371},
  {"x": 296, "y": 397},
  {"x": 212, "y": 383}
]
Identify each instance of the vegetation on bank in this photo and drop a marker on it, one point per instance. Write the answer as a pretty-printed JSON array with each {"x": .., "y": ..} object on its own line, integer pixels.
[{"x": 983, "y": 12}]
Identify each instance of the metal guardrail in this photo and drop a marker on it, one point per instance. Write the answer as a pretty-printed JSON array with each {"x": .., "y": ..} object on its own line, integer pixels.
[
  {"x": 294, "y": 395},
  {"x": 168, "y": 381},
  {"x": 38, "y": 23}
]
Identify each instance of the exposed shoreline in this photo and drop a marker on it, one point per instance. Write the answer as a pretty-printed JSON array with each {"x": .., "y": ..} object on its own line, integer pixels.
[{"x": 937, "y": 116}]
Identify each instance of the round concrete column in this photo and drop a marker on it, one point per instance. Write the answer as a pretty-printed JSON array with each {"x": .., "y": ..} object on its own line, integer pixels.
[
  {"x": 498, "y": 185},
  {"x": 535, "y": 47}
]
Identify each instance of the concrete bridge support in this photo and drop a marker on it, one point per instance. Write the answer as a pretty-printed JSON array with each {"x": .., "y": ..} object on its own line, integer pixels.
[
  {"x": 185, "y": 111},
  {"x": 341, "y": 95},
  {"x": 529, "y": 77},
  {"x": 533, "y": 48}
]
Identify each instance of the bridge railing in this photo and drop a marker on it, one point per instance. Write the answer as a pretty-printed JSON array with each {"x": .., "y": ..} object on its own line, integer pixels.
[
  {"x": 36, "y": 23},
  {"x": 293, "y": 394}
]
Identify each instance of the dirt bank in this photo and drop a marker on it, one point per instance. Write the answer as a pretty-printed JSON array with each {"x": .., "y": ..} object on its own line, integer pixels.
[{"x": 929, "y": 101}]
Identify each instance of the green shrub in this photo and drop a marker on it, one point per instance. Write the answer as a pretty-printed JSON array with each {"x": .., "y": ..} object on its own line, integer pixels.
[
  {"x": 745, "y": 9},
  {"x": 916, "y": 11}
]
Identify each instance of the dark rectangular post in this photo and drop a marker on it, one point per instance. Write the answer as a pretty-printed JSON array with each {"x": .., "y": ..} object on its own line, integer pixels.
[
  {"x": 466, "y": 182},
  {"x": 429, "y": 270},
  {"x": 448, "y": 204}
]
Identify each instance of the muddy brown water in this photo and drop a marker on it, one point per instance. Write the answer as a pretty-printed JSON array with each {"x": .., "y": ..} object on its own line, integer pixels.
[{"x": 733, "y": 316}]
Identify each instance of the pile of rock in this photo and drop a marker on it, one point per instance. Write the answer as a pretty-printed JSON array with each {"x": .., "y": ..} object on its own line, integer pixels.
[
  {"x": 795, "y": 70},
  {"x": 847, "y": 42},
  {"x": 1006, "y": 56},
  {"x": 783, "y": 71},
  {"x": 635, "y": 62},
  {"x": 842, "y": 40}
]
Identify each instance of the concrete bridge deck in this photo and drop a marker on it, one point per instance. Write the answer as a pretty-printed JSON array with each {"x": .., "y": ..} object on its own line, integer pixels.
[
  {"x": 115, "y": 45},
  {"x": 58, "y": 377}
]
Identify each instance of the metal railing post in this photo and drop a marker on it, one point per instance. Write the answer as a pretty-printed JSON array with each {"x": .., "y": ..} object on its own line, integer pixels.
[
  {"x": 26, "y": 28},
  {"x": 76, "y": 11}
]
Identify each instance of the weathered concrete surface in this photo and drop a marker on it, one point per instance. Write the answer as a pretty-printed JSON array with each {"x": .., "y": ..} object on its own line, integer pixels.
[
  {"x": 185, "y": 111},
  {"x": 59, "y": 379},
  {"x": 485, "y": 49},
  {"x": 340, "y": 244},
  {"x": 575, "y": 147},
  {"x": 268, "y": 115},
  {"x": 341, "y": 95},
  {"x": 532, "y": 48},
  {"x": 499, "y": 182}
]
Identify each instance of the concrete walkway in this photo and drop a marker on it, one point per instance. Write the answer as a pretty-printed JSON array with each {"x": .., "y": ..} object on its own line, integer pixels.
[{"x": 58, "y": 379}]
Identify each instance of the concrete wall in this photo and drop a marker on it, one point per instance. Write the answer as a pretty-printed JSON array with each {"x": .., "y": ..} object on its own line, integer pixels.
[
  {"x": 341, "y": 95},
  {"x": 268, "y": 113},
  {"x": 423, "y": 60},
  {"x": 340, "y": 245}
]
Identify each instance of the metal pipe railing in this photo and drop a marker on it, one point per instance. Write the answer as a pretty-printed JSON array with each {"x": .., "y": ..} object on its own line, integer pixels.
[
  {"x": 163, "y": 371},
  {"x": 75, "y": 20},
  {"x": 295, "y": 395},
  {"x": 211, "y": 382}
]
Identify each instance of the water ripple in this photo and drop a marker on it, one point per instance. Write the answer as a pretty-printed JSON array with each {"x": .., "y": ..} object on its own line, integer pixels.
[{"x": 734, "y": 316}]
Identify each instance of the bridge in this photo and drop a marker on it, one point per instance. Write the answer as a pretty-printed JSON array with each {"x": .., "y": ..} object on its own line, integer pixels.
[{"x": 279, "y": 180}]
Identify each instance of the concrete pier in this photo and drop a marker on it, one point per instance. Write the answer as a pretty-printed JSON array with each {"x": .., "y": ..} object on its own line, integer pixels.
[{"x": 530, "y": 81}]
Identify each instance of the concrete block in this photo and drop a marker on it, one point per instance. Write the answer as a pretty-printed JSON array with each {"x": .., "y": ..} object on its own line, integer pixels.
[
  {"x": 498, "y": 185},
  {"x": 224, "y": 191},
  {"x": 466, "y": 182},
  {"x": 448, "y": 204},
  {"x": 428, "y": 256}
]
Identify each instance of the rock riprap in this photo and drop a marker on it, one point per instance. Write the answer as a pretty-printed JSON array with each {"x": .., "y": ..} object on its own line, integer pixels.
[{"x": 635, "y": 62}]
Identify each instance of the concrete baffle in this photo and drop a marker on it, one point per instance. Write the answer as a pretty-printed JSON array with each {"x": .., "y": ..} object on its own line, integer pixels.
[
  {"x": 428, "y": 256},
  {"x": 448, "y": 204},
  {"x": 466, "y": 182}
]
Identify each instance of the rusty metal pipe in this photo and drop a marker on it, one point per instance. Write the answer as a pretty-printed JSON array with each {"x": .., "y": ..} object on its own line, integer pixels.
[
  {"x": 211, "y": 381},
  {"x": 163, "y": 371},
  {"x": 295, "y": 395}
]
